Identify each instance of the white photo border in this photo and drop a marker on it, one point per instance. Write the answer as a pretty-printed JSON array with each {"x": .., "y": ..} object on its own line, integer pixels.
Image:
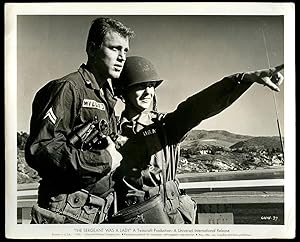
[{"x": 108, "y": 231}]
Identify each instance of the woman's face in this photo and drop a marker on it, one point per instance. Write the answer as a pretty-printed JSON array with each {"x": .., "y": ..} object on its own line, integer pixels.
[{"x": 140, "y": 96}]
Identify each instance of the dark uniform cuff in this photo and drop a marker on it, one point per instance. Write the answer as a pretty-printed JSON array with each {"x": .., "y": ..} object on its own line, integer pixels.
[{"x": 242, "y": 78}]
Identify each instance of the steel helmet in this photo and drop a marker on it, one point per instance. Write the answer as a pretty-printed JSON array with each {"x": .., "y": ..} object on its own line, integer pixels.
[{"x": 136, "y": 70}]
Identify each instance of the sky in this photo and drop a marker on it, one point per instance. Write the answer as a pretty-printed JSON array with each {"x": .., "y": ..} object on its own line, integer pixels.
[{"x": 190, "y": 52}]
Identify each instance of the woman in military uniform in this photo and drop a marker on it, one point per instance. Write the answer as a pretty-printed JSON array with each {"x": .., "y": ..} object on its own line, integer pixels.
[{"x": 151, "y": 152}]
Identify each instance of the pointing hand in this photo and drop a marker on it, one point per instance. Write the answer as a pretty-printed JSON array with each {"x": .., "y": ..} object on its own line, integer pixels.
[{"x": 271, "y": 78}]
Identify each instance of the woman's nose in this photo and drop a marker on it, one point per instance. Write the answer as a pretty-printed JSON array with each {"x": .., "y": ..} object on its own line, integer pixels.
[{"x": 149, "y": 89}]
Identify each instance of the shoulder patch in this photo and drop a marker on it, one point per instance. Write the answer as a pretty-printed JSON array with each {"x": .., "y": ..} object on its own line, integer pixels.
[{"x": 50, "y": 114}]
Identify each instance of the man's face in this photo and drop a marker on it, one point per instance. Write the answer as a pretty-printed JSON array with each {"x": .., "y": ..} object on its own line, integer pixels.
[
  {"x": 140, "y": 96},
  {"x": 111, "y": 55}
]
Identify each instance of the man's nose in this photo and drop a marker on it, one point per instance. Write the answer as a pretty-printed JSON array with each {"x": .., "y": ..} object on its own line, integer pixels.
[{"x": 122, "y": 55}]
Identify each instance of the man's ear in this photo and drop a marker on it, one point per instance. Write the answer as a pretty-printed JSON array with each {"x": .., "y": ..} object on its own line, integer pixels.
[{"x": 91, "y": 49}]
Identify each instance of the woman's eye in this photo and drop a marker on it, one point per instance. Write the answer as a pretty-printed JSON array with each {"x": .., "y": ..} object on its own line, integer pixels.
[{"x": 150, "y": 85}]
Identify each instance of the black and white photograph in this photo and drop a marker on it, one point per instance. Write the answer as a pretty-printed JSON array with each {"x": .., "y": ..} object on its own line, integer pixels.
[{"x": 149, "y": 120}]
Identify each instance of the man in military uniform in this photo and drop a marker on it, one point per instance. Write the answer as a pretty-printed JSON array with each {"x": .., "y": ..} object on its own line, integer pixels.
[
  {"x": 75, "y": 184},
  {"x": 151, "y": 153}
]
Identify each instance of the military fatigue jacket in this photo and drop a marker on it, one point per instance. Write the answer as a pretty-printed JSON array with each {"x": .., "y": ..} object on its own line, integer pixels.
[{"x": 58, "y": 109}]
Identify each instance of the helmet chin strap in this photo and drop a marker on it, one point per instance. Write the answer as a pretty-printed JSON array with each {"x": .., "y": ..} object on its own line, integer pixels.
[{"x": 154, "y": 103}]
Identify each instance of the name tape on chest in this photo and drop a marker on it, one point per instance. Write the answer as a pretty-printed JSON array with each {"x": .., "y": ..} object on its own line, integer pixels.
[
  {"x": 89, "y": 103},
  {"x": 149, "y": 132}
]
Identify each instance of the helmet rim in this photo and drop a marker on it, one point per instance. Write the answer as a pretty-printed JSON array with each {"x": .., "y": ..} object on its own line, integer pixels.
[{"x": 157, "y": 82}]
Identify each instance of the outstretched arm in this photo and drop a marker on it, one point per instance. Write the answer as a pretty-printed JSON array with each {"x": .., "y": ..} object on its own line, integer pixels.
[
  {"x": 190, "y": 113},
  {"x": 215, "y": 98}
]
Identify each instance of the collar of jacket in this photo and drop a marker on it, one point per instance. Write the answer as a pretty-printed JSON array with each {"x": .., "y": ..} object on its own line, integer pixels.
[
  {"x": 90, "y": 79},
  {"x": 91, "y": 82},
  {"x": 143, "y": 119},
  {"x": 124, "y": 122}
]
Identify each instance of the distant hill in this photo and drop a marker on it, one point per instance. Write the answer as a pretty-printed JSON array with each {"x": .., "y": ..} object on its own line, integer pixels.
[
  {"x": 219, "y": 150},
  {"x": 272, "y": 142},
  {"x": 213, "y": 138}
]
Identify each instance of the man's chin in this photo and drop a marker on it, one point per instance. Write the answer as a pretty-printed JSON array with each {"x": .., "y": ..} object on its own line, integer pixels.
[{"x": 115, "y": 75}]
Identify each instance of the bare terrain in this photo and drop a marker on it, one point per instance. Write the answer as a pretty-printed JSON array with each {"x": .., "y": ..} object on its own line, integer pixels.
[{"x": 202, "y": 151}]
